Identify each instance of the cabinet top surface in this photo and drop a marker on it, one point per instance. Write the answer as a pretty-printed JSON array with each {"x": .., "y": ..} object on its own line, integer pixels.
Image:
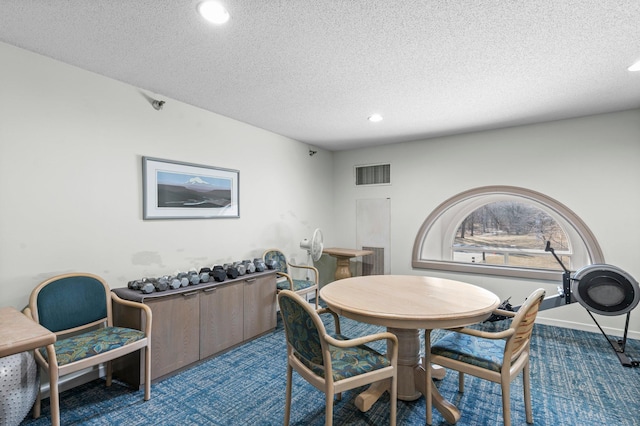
[{"x": 137, "y": 295}]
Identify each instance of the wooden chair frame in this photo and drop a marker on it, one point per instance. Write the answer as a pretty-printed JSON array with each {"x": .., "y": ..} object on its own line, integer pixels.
[
  {"x": 327, "y": 384},
  {"x": 515, "y": 356},
  {"x": 55, "y": 371},
  {"x": 282, "y": 276}
]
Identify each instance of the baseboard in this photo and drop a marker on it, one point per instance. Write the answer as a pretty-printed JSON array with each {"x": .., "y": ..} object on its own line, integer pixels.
[
  {"x": 618, "y": 332},
  {"x": 71, "y": 380}
]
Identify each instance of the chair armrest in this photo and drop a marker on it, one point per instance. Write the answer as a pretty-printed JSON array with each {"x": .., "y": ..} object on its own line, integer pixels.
[
  {"x": 288, "y": 277},
  {"x": 137, "y": 305},
  {"x": 312, "y": 268},
  {"x": 485, "y": 334},
  {"x": 504, "y": 313},
  {"x": 283, "y": 275},
  {"x": 350, "y": 343},
  {"x": 27, "y": 312},
  {"x": 336, "y": 319}
]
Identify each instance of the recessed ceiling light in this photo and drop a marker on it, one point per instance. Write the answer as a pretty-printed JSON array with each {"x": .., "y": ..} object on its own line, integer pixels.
[
  {"x": 374, "y": 118},
  {"x": 213, "y": 12},
  {"x": 635, "y": 67}
]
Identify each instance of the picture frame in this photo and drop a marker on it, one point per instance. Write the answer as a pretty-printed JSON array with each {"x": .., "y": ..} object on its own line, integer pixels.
[{"x": 179, "y": 190}]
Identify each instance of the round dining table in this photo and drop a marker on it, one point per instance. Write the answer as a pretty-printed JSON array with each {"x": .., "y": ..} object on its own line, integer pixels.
[{"x": 406, "y": 304}]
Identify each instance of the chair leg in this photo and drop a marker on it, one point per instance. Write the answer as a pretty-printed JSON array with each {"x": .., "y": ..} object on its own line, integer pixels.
[
  {"x": 328, "y": 411},
  {"x": 506, "y": 401},
  {"x": 394, "y": 400},
  {"x": 109, "y": 372},
  {"x": 429, "y": 381},
  {"x": 54, "y": 397},
  {"x": 287, "y": 404},
  {"x": 526, "y": 384},
  {"x": 147, "y": 372},
  {"x": 460, "y": 381},
  {"x": 37, "y": 405}
]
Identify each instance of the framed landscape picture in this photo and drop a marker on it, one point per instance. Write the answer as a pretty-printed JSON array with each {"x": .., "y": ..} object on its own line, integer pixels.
[{"x": 176, "y": 190}]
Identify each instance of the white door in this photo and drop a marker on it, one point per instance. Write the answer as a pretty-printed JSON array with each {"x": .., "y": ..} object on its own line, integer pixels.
[{"x": 373, "y": 229}]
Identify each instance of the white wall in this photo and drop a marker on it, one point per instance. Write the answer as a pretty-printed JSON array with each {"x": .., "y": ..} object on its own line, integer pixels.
[
  {"x": 591, "y": 165},
  {"x": 71, "y": 144}
]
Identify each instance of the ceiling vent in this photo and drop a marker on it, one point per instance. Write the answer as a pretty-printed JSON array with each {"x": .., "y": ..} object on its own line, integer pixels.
[{"x": 374, "y": 174}]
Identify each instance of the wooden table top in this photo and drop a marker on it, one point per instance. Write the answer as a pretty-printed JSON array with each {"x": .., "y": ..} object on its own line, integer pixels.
[
  {"x": 408, "y": 301},
  {"x": 345, "y": 252},
  {"x": 19, "y": 333}
]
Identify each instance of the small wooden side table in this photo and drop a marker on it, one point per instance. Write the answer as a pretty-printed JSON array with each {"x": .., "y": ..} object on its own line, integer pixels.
[
  {"x": 19, "y": 333},
  {"x": 343, "y": 257}
]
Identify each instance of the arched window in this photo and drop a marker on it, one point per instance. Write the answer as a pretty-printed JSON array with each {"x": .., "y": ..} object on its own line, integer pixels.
[{"x": 503, "y": 230}]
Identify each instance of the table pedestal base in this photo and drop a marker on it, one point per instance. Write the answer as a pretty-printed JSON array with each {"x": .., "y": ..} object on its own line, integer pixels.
[
  {"x": 343, "y": 260},
  {"x": 343, "y": 267},
  {"x": 411, "y": 378},
  {"x": 448, "y": 411}
]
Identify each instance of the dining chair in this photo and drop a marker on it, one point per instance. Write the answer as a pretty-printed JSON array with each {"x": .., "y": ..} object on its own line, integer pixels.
[
  {"x": 495, "y": 356},
  {"x": 333, "y": 363},
  {"x": 289, "y": 274},
  {"x": 77, "y": 307}
]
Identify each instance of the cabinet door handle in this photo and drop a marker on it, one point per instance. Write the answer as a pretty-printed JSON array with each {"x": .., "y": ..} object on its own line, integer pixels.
[
  {"x": 191, "y": 293},
  {"x": 209, "y": 290},
  {"x": 251, "y": 280}
]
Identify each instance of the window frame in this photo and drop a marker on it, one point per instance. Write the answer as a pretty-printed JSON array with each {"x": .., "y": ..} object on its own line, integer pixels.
[{"x": 461, "y": 205}]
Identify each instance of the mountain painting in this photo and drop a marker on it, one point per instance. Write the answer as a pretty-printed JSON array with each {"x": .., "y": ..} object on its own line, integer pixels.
[{"x": 192, "y": 191}]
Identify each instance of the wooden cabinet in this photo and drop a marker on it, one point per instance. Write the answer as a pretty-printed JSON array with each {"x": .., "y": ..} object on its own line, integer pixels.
[
  {"x": 174, "y": 332},
  {"x": 196, "y": 322},
  {"x": 259, "y": 307},
  {"x": 221, "y": 318}
]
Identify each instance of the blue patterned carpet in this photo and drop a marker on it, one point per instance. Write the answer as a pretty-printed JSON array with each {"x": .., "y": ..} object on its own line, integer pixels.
[{"x": 576, "y": 380}]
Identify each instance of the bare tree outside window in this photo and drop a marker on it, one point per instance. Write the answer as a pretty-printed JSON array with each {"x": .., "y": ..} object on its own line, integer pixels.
[
  {"x": 503, "y": 231},
  {"x": 510, "y": 233}
]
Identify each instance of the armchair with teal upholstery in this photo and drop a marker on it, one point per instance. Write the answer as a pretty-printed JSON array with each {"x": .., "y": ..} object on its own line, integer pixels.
[
  {"x": 495, "y": 356},
  {"x": 332, "y": 363},
  {"x": 77, "y": 307},
  {"x": 288, "y": 274}
]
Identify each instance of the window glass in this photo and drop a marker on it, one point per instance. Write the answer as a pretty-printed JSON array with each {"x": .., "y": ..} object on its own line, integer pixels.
[
  {"x": 502, "y": 230},
  {"x": 510, "y": 233}
]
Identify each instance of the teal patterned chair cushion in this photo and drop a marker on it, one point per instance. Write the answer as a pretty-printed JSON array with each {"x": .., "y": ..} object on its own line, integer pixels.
[
  {"x": 89, "y": 344},
  {"x": 303, "y": 335},
  {"x": 332, "y": 363},
  {"x": 350, "y": 362},
  {"x": 279, "y": 257},
  {"x": 301, "y": 332},
  {"x": 280, "y": 262},
  {"x": 71, "y": 302},
  {"x": 297, "y": 284},
  {"x": 485, "y": 353}
]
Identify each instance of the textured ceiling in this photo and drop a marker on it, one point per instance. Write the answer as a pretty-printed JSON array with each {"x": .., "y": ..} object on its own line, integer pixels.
[{"x": 314, "y": 70}]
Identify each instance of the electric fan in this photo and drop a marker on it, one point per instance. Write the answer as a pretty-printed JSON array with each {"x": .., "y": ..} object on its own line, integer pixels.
[{"x": 313, "y": 247}]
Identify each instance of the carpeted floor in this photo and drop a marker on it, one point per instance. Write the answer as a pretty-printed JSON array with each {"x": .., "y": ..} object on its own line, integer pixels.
[{"x": 576, "y": 380}]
